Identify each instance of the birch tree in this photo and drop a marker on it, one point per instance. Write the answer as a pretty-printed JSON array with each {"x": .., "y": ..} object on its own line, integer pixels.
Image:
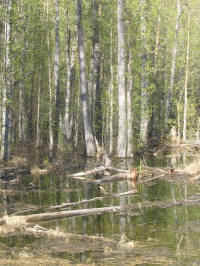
[
  {"x": 88, "y": 133},
  {"x": 6, "y": 94},
  {"x": 56, "y": 80},
  {"x": 122, "y": 120},
  {"x": 186, "y": 80},
  {"x": 70, "y": 63},
  {"x": 169, "y": 109},
  {"x": 96, "y": 71},
  {"x": 129, "y": 106},
  {"x": 144, "y": 116}
]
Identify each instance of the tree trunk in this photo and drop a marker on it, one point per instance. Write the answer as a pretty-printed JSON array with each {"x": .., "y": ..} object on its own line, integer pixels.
[
  {"x": 144, "y": 115},
  {"x": 70, "y": 62},
  {"x": 186, "y": 81},
  {"x": 129, "y": 108},
  {"x": 50, "y": 111},
  {"x": 111, "y": 96},
  {"x": 56, "y": 81},
  {"x": 88, "y": 134},
  {"x": 169, "y": 109},
  {"x": 122, "y": 120},
  {"x": 38, "y": 115},
  {"x": 96, "y": 72},
  {"x": 6, "y": 110}
]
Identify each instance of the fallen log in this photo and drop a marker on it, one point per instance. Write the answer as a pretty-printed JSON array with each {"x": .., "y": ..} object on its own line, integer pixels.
[
  {"x": 112, "y": 178},
  {"x": 77, "y": 203},
  {"x": 97, "y": 170},
  {"x": 89, "y": 172},
  {"x": 35, "y": 218},
  {"x": 107, "y": 179}
]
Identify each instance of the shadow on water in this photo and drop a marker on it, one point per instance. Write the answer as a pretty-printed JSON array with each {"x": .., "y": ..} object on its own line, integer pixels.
[{"x": 140, "y": 235}]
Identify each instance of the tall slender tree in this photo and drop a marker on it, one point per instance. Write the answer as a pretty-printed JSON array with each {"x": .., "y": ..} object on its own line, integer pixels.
[
  {"x": 169, "y": 107},
  {"x": 144, "y": 115},
  {"x": 122, "y": 119},
  {"x": 96, "y": 71},
  {"x": 56, "y": 79},
  {"x": 71, "y": 47},
  {"x": 186, "y": 80},
  {"x": 7, "y": 90},
  {"x": 88, "y": 132}
]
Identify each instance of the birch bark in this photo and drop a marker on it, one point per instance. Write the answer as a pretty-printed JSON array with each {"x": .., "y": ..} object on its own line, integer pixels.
[
  {"x": 144, "y": 116},
  {"x": 70, "y": 62},
  {"x": 56, "y": 80},
  {"x": 6, "y": 94},
  {"x": 122, "y": 119},
  {"x": 88, "y": 134},
  {"x": 169, "y": 111},
  {"x": 129, "y": 108},
  {"x": 186, "y": 81}
]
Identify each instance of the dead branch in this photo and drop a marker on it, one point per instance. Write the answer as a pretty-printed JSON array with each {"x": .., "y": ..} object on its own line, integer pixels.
[
  {"x": 97, "y": 170},
  {"x": 89, "y": 172},
  {"x": 151, "y": 179},
  {"x": 116, "y": 177},
  {"x": 117, "y": 170}
]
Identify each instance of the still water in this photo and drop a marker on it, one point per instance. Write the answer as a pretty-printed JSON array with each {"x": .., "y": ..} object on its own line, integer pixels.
[{"x": 140, "y": 235}]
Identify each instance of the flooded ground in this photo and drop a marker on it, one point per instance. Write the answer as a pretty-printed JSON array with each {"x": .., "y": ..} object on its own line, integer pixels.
[{"x": 157, "y": 225}]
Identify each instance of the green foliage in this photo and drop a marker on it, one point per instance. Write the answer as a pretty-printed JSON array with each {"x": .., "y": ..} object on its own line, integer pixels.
[{"x": 32, "y": 49}]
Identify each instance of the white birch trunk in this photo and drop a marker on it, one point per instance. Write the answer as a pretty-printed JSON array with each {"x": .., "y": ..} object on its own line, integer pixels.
[
  {"x": 56, "y": 81},
  {"x": 122, "y": 119},
  {"x": 6, "y": 94},
  {"x": 186, "y": 82},
  {"x": 50, "y": 113},
  {"x": 70, "y": 62},
  {"x": 88, "y": 134},
  {"x": 129, "y": 109},
  {"x": 111, "y": 91},
  {"x": 38, "y": 118},
  {"x": 111, "y": 112},
  {"x": 96, "y": 74},
  {"x": 144, "y": 115},
  {"x": 168, "y": 112}
]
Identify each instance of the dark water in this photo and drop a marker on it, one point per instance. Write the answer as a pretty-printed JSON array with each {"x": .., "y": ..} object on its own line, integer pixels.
[{"x": 139, "y": 236}]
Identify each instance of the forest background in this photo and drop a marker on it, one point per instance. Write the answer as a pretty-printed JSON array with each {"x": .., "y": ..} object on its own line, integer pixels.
[{"x": 82, "y": 76}]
